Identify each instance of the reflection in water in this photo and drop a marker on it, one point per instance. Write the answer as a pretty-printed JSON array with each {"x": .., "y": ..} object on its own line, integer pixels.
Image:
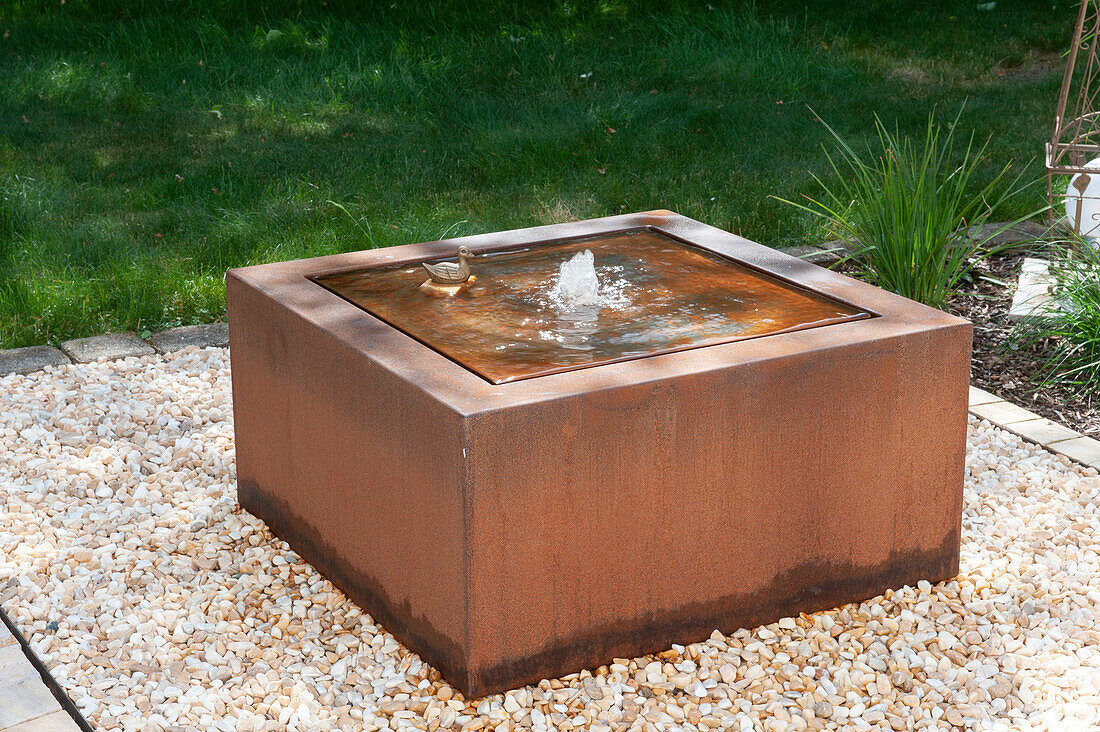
[{"x": 655, "y": 295}]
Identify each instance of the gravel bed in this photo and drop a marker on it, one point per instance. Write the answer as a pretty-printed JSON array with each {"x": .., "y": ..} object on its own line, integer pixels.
[{"x": 160, "y": 605}]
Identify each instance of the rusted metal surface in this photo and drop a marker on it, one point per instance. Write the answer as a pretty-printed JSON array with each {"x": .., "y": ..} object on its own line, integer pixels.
[
  {"x": 667, "y": 296},
  {"x": 525, "y": 530}
]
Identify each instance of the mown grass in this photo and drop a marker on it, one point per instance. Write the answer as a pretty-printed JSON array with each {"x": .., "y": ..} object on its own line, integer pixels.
[{"x": 147, "y": 147}]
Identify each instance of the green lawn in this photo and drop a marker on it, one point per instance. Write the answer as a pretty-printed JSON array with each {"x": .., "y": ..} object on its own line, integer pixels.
[{"x": 143, "y": 151}]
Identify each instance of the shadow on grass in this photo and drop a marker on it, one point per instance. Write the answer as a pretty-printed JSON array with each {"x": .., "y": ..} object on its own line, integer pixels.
[{"x": 144, "y": 151}]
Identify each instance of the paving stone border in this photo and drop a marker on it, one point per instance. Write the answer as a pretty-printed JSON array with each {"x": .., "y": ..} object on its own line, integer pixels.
[
  {"x": 1032, "y": 290},
  {"x": 1053, "y": 436},
  {"x": 176, "y": 339},
  {"x": 32, "y": 358},
  {"x": 112, "y": 346},
  {"x": 30, "y": 699},
  {"x": 108, "y": 345}
]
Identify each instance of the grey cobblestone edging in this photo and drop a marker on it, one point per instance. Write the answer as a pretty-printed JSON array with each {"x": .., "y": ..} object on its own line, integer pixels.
[
  {"x": 33, "y": 358},
  {"x": 111, "y": 346},
  {"x": 108, "y": 345},
  {"x": 1051, "y": 435}
]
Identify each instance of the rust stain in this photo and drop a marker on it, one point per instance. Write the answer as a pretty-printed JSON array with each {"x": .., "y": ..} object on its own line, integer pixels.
[
  {"x": 415, "y": 631},
  {"x": 808, "y": 587}
]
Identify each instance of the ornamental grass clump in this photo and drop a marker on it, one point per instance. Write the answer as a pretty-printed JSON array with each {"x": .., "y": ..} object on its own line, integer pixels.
[
  {"x": 1065, "y": 330},
  {"x": 907, "y": 209}
]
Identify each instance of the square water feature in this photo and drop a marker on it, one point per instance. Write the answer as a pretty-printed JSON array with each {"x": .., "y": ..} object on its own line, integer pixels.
[
  {"x": 656, "y": 295},
  {"x": 521, "y": 479}
]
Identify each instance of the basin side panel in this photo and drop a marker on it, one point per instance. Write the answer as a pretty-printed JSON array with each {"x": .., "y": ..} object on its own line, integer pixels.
[
  {"x": 354, "y": 467},
  {"x": 639, "y": 516}
]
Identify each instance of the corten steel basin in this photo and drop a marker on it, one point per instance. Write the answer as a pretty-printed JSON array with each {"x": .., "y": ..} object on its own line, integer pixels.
[{"x": 573, "y": 513}]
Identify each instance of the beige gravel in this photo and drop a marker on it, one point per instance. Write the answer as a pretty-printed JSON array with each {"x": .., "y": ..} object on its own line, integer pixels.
[{"x": 174, "y": 609}]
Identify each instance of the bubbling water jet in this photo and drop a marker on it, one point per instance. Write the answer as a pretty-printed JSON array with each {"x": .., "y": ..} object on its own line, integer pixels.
[{"x": 577, "y": 283}]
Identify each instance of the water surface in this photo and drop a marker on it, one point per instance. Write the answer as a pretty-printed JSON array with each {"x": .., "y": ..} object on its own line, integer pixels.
[{"x": 657, "y": 295}]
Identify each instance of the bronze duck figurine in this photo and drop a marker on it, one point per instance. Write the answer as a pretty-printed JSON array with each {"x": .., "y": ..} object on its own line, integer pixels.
[{"x": 450, "y": 273}]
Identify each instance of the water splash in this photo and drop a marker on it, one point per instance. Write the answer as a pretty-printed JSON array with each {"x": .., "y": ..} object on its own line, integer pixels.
[{"x": 577, "y": 283}]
